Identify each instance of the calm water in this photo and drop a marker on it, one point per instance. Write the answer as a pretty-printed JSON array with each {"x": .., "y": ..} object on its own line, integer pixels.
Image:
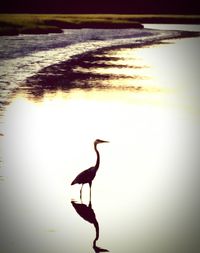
[{"x": 145, "y": 195}]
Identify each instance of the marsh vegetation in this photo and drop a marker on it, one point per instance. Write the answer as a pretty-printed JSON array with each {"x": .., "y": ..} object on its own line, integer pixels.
[{"x": 13, "y": 24}]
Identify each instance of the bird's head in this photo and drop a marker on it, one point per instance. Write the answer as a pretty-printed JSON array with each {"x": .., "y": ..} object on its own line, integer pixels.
[{"x": 98, "y": 141}]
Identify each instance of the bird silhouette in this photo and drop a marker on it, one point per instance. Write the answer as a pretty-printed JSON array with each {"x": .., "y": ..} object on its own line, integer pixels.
[
  {"x": 88, "y": 214},
  {"x": 87, "y": 176}
]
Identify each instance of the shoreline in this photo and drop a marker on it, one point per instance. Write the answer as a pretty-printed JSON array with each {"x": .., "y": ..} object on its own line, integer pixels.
[
  {"x": 39, "y": 72},
  {"x": 64, "y": 75},
  {"x": 16, "y": 24}
]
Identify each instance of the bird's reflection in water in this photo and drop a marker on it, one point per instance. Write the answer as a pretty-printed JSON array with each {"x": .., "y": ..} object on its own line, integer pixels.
[{"x": 88, "y": 214}]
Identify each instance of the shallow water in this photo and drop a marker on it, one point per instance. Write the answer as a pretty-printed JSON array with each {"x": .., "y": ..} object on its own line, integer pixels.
[
  {"x": 145, "y": 194},
  {"x": 28, "y": 54}
]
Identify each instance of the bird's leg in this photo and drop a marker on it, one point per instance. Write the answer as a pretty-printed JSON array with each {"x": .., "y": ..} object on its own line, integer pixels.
[
  {"x": 90, "y": 189},
  {"x": 90, "y": 204},
  {"x": 81, "y": 192}
]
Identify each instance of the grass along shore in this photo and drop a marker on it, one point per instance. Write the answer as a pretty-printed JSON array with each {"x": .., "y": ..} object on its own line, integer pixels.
[{"x": 14, "y": 24}]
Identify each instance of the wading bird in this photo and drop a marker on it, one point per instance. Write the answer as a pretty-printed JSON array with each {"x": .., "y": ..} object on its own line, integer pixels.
[{"x": 86, "y": 176}]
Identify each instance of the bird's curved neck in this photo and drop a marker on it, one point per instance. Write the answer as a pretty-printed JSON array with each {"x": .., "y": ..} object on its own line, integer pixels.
[{"x": 98, "y": 157}]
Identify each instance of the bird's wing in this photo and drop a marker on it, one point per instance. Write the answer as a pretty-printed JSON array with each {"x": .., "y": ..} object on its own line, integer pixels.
[{"x": 84, "y": 177}]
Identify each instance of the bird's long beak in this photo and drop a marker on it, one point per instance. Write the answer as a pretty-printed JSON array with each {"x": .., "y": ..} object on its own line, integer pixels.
[{"x": 101, "y": 141}]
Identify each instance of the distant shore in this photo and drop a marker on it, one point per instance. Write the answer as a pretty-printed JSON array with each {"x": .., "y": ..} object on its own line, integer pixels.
[{"x": 15, "y": 24}]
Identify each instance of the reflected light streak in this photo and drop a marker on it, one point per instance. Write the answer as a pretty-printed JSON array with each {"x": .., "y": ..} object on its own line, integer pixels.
[
  {"x": 52, "y": 141},
  {"x": 148, "y": 67},
  {"x": 59, "y": 133}
]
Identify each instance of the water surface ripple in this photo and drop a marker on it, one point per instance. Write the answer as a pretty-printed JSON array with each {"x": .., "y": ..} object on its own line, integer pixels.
[{"x": 23, "y": 56}]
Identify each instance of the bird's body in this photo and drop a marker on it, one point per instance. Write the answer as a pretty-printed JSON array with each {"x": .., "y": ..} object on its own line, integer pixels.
[{"x": 87, "y": 176}]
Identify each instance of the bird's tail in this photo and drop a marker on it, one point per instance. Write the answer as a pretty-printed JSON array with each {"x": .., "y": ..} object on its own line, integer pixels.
[{"x": 73, "y": 182}]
